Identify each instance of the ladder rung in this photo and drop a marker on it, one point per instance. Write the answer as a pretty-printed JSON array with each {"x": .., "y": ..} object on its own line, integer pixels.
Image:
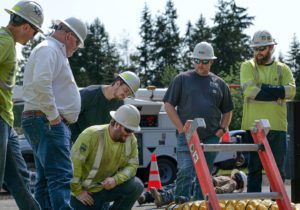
[
  {"x": 244, "y": 196},
  {"x": 230, "y": 147}
]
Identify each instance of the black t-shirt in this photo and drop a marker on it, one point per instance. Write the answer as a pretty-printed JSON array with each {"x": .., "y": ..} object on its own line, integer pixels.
[
  {"x": 95, "y": 109},
  {"x": 198, "y": 96}
]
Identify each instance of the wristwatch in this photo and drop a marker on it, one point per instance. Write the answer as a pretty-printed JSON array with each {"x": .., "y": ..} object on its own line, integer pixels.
[{"x": 223, "y": 129}]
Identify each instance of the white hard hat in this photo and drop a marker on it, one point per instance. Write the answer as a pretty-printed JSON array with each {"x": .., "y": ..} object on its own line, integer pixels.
[
  {"x": 204, "y": 50},
  {"x": 131, "y": 79},
  {"x": 29, "y": 11},
  {"x": 128, "y": 116},
  {"x": 262, "y": 38},
  {"x": 241, "y": 176},
  {"x": 78, "y": 27}
]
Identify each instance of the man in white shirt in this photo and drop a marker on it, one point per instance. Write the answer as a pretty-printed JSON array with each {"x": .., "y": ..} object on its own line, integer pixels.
[{"x": 52, "y": 100}]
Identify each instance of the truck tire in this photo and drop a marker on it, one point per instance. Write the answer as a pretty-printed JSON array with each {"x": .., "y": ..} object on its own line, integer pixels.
[{"x": 167, "y": 170}]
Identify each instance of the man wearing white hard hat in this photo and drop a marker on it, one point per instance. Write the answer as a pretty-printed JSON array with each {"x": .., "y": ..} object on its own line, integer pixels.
[
  {"x": 26, "y": 19},
  {"x": 98, "y": 100},
  {"x": 197, "y": 93},
  {"x": 51, "y": 102},
  {"x": 267, "y": 84},
  {"x": 105, "y": 160}
]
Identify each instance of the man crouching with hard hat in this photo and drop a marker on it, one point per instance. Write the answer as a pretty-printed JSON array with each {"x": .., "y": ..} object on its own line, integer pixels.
[{"x": 105, "y": 161}]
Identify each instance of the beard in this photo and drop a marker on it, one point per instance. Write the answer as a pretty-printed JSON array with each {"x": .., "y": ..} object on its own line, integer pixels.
[{"x": 263, "y": 60}]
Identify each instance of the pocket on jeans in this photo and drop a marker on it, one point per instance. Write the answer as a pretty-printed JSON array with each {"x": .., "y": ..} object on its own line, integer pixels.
[{"x": 31, "y": 130}]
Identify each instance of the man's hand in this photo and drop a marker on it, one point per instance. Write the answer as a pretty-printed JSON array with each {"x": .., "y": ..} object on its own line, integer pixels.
[
  {"x": 55, "y": 121},
  {"x": 219, "y": 133},
  {"x": 109, "y": 183},
  {"x": 85, "y": 198}
]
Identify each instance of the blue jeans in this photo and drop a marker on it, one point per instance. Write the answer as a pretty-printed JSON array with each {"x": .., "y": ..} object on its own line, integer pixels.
[
  {"x": 186, "y": 172},
  {"x": 51, "y": 149},
  {"x": 278, "y": 144},
  {"x": 13, "y": 170},
  {"x": 123, "y": 197},
  {"x": 168, "y": 193}
]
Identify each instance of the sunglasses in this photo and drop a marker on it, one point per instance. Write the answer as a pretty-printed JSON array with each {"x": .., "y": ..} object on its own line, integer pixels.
[
  {"x": 260, "y": 49},
  {"x": 128, "y": 130},
  {"x": 35, "y": 29},
  {"x": 198, "y": 61}
]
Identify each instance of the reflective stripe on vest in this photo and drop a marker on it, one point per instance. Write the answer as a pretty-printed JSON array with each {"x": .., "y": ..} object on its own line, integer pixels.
[{"x": 87, "y": 182}]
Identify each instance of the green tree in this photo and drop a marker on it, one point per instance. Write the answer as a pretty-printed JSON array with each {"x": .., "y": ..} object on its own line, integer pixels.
[
  {"x": 98, "y": 61},
  {"x": 166, "y": 44},
  {"x": 237, "y": 98},
  {"x": 194, "y": 35},
  {"x": 293, "y": 61},
  {"x": 231, "y": 44},
  {"x": 144, "y": 57}
]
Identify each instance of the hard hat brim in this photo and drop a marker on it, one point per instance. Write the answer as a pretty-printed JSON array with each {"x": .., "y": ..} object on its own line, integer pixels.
[
  {"x": 262, "y": 45},
  {"x": 204, "y": 58},
  {"x": 12, "y": 12},
  {"x": 113, "y": 115}
]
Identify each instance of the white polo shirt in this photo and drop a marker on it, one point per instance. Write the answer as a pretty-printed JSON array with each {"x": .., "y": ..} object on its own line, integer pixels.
[{"x": 49, "y": 84}]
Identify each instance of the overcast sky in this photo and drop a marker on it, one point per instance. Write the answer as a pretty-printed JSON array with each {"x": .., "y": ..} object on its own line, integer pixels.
[{"x": 123, "y": 17}]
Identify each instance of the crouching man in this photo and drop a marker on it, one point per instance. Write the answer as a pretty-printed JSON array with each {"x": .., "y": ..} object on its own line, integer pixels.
[{"x": 105, "y": 161}]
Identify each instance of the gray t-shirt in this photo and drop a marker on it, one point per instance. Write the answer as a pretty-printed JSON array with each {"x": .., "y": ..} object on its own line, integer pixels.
[{"x": 198, "y": 96}]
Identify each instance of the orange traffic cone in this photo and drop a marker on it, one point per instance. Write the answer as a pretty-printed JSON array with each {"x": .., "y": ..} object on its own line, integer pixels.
[
  {"x": 154, "y": 179},
  {"x": 226, "y": 137}
]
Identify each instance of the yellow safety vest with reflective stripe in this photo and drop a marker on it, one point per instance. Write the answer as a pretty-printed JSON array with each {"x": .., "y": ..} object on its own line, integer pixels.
[
  {"x": 252, "y": 76},
  {"x": 96, "y": 156}
]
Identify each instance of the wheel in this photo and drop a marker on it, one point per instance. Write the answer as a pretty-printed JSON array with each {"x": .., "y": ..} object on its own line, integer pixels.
[{"x": 167, "y": 170}]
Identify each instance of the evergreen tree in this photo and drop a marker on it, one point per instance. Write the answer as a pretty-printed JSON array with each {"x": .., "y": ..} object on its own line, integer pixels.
[
  {"x": 293, "y": 59},
  {"x": 98, "y": 61},
  {"x": 166, "y": 44},
  {"x": 186, "y": 48},
  {"x": 231, "y": 44},
  {"x": 144, "y": 57},
  {"x": 201, "y": 32}
]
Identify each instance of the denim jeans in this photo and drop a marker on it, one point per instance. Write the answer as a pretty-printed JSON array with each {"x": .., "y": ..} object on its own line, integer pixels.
[
  {"x": 186, "y": 172},
  {"x": 13, "y": 170},
  {"x": 168, "y": 193},
  {"x": 51, "y": 149},
  {"x": 278, "y": 144},
  {"x": 123, "y": 197}
]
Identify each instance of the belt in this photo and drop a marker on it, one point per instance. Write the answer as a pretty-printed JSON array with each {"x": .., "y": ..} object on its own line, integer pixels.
[
  {"x": 33, "y": 113},
  {"x": 39, "y": 113}
]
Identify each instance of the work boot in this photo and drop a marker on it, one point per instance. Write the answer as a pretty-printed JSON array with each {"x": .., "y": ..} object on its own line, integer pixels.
[
  {"x": 146, "y": 197},
  {"x": 157, "y": 197},
  {"x": 181, "y": 200},
  {"x": 142, "y": 199}
]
